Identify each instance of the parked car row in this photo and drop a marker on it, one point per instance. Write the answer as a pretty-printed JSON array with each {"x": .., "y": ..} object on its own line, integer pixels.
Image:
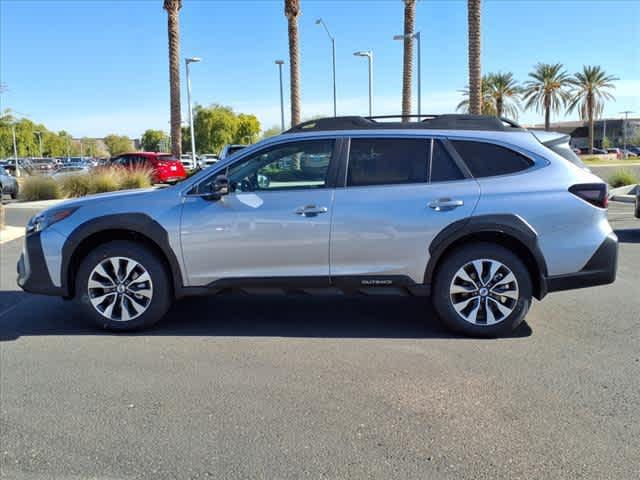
[{"x": 620, "y": 153}]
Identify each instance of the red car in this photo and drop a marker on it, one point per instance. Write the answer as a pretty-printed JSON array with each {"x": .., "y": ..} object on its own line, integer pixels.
[{"x": 166, "y": 169}]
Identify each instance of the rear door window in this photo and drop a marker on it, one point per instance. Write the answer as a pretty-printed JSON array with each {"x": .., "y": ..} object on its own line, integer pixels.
[
  {"x": 387, "y": 161},
  {"x": 443, "y": 168},
  {"x": 488, "y": 160}
]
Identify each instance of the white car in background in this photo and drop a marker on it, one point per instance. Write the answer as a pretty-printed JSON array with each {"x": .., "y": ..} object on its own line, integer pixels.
[
  {"x": 187, "y": 161},
  {"x": 208, "y": 159}
]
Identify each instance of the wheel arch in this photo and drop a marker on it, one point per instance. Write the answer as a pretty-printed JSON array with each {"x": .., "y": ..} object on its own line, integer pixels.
[
  {"x": 139, "y": 228},
  {"x": 509, "y": 231}
]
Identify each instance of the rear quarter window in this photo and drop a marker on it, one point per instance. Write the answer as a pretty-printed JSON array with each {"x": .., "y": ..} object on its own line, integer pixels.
[{"x": 490, "y": 160}]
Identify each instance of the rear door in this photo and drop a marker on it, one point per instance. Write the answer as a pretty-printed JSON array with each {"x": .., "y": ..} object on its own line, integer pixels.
[{"x": 399, "y": 193}]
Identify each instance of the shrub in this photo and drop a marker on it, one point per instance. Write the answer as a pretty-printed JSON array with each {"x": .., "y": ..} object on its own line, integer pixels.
[
  {"x": 102, "y": 181},
  {"x": 39, "y": 188},
  {"x": 134, "y": 178},
  {"x": 620, "y": 178},
  {"x": 75, "y": 185}
]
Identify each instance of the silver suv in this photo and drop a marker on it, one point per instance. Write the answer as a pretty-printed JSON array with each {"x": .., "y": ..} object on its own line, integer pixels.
[{"x": 473, "y": 211}]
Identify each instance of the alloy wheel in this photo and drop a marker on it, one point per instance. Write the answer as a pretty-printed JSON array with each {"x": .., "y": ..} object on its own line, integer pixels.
[
  {"x": 484, "y": 292},
  {"x": 120, "y": 288}
]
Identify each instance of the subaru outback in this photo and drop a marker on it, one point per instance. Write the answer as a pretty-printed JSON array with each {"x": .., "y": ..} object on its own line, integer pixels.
[{"x": 475, "y": 212}]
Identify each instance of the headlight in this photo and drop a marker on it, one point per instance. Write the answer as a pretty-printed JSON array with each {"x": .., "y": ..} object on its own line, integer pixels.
[{"x": 43, "y": 220}]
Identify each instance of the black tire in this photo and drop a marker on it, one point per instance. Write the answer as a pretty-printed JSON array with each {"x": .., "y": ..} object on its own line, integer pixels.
[
  {"x": 14, "y": 194},
  {"x": 162, "y": 291},
  {"x": 637, "y": 206},
  {"x": 442, "y": 297}
]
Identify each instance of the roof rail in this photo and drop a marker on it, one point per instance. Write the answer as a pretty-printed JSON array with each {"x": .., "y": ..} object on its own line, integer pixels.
[{"x": 424, "y": 122}]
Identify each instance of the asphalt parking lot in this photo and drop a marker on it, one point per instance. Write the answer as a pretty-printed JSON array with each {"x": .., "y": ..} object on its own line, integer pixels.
[{"x": 278, "y": 388}]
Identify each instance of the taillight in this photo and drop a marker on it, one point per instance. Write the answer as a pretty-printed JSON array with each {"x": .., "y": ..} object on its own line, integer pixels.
[{"x": 594, "y": 193}]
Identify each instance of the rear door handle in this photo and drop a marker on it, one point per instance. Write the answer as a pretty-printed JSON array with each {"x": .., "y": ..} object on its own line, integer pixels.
[
  {"x": 445, "y": 204},
  {"x": 310, "y": 210}
]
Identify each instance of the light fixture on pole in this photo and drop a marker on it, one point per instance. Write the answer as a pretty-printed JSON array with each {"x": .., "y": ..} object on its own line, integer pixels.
[
  {"x": 369, "y": 55},
  {"x": 415, "y": 35},
  {"x": 624, "y": 132},
  {"x": 333, "y": 58},
  {"x": 280, "y": 63},
  {"x": 188, "y": 61}
]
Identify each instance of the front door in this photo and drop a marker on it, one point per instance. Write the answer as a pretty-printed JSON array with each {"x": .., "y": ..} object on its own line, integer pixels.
[{"x": 275, "y": 221}]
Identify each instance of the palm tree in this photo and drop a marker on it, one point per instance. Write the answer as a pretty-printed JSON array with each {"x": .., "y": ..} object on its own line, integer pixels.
[
  {"x": 291, "y": 11},
  {"x": 475, "y": 72},
  {"x": 407, "y": 69},
  {"x": 500, "y": 96},
  {"x": 173, "y": 7},
  {"x": 488, "y": 108},
  {"x": 547, "y": 91},
  {"x": 504, "y": 92},
  {"x": 588, "y": 94}
]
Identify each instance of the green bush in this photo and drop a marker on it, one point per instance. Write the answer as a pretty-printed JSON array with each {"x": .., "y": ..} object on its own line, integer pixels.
[
  {"x": 75, "y": 185},
  {"x": 39, "y": 188},
  {"x": 134, "y": 178},
  {"x": 102, "y": 181},
  {"x": 620, "y": 178}
]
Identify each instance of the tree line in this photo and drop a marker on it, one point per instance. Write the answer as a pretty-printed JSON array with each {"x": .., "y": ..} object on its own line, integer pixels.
[{"x": 35, "y": 139}]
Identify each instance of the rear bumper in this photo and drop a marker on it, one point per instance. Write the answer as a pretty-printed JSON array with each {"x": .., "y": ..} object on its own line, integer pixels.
[
  {"x": 33, "y": 275},
  {"x": 600, "y": 269}
]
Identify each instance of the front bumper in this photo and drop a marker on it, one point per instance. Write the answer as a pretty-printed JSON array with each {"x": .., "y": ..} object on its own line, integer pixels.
[
  {"x": 600, "y": 269},
  {"x": 33, "y": 275}
]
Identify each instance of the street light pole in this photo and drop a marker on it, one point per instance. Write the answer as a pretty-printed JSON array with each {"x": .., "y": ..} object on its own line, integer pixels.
[
  {"x": 280, "y": 63},
  {"x": 333, "y": 61},
  {"x": 416, "y": 36},
  {"x": 624, "y": 131},
  {"x": 187, "y": 61},
  {"x": 369, "y": 55},
  {"x": 15, "y": 149},
  {"x": 40, "y": 140}
]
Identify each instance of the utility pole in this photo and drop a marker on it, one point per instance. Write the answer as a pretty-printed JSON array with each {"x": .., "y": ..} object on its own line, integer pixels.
[{"x": 624, "y": 131}]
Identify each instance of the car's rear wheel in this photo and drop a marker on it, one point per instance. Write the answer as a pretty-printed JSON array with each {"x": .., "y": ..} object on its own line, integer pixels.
[
  {"x": 482, "y": 290},
  {"x": 123, "y": 286}
]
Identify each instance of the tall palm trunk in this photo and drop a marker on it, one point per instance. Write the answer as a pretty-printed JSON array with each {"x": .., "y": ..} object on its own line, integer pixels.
[
  {"x": 499, "y": 107},
  {"x": 547, "y": 112},
  {"x": 173, "y": 7},
  {"x": 292, "y": 10},
  {"x": 591, "y": 126},
  {"x": 475, "y": 73},
  {"x": 407, "y": 70}
]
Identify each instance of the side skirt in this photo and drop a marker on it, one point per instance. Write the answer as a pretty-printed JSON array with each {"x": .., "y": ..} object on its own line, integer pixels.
[{"x": 389, "y": 285}]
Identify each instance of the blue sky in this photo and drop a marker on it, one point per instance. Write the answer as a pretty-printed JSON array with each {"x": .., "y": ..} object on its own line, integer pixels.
[{"x": 95, "y": 67}]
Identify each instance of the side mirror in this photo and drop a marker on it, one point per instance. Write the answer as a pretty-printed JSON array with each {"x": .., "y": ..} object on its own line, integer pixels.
[{"x": 218, "y": 188}]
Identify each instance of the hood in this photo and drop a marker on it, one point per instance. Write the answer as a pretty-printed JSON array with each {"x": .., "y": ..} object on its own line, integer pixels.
[{"x": 120, "y": 195}]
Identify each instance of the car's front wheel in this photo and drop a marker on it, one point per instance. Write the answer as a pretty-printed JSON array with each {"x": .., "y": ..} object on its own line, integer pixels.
[
  {"x": 123, "y": 286},
  {"x": 482, "y": 290}
]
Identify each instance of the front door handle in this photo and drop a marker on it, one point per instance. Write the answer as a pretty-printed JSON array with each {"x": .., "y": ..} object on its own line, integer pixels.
[
  {"x": 445, "y": 204},
  {"x": 310, "y": 210}
]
